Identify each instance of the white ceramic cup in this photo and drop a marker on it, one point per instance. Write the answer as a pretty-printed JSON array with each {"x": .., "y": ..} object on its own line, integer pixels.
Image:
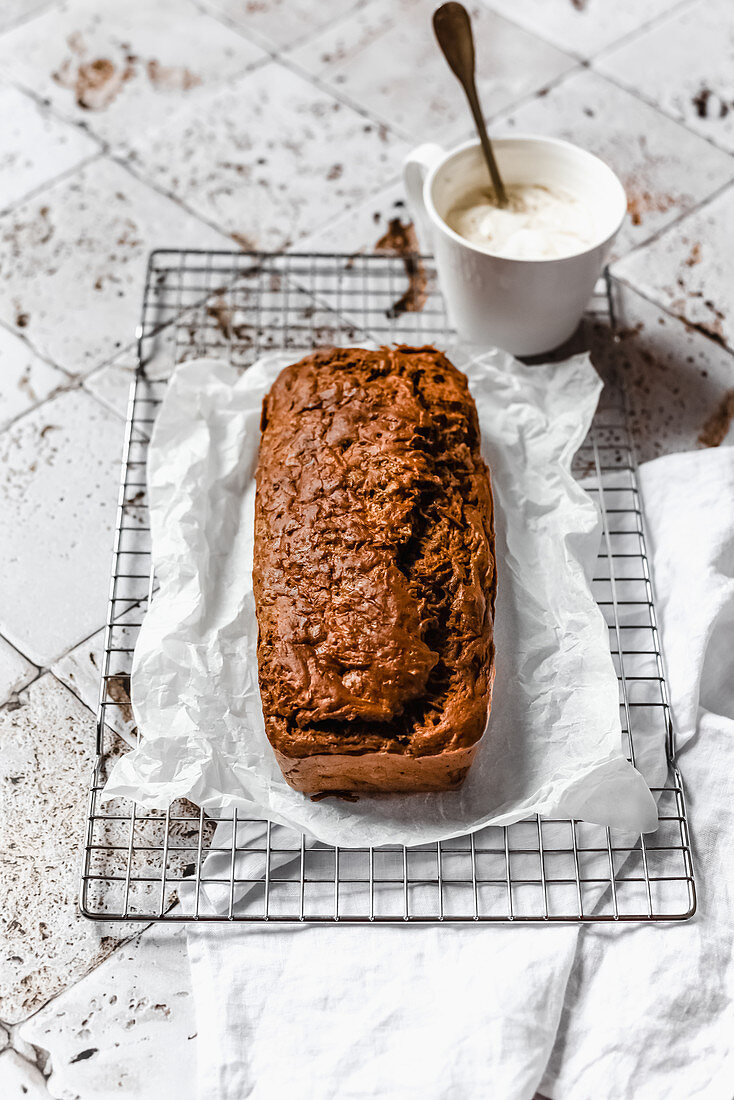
[{"x": 526, "y": 307}]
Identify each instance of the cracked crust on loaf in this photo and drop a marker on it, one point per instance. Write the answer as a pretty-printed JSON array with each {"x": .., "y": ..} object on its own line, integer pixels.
[{"x": 374, "y": 572}]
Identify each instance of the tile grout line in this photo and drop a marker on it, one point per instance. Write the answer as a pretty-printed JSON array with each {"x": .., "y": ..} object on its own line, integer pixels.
[
  {"x": 79, "y": 380},
  {"x": 589, "y": 62},
  {"x": 656, "y": 21},
  {"x": 277, "y": 55},
  {"x": 324, "y": 86},
  {"x": 122, "y": 160},
  {"x": 622, "y": 280},
  {"x": 269, "y": 45},
  {"x": 74, "y": 383},
  {"x": 126, "y": 166},
  {"x": 541, "y": 93},
  {"x": 20, "y": 335},
  {"x": 51, "y": 182},
  {"x": 586, "y": 59},
  {"x": 108, "y": 407},
  {"x": 34, "y": 663},
  {"x": 131, "y": 605},
  {"x": 47, "y": 1069},
  {"x": 41, "y": 1062},
  {"x": 633, "y": 92},
  {"x": 317, "y": 230},
  {"x": 38, "y": 671},
  {"x": 678, "y": 119},
  {"x": 24, "y": 19},
  {"x": 677, "y": 220},
  {"x": 122, "y": 941},
  {"x": 58, "y": 114}
]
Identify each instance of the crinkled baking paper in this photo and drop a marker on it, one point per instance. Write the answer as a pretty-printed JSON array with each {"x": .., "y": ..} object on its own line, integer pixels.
[{"x": 553, "y": 743}]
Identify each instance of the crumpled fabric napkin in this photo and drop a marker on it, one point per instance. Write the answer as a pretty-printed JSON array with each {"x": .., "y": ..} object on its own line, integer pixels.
[
  {"x": 649, "y": 1010},
  {"x": 449, "y": 1013}
]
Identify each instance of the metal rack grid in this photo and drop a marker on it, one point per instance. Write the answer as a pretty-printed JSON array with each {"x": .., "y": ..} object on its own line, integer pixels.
[{"x": 179, "y": 865}]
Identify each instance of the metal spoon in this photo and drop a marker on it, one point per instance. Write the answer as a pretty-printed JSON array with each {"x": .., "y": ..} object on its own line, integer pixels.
[{"x": 452, "y": 25}]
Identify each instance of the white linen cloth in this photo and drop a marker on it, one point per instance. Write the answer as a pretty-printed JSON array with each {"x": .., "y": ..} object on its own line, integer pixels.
[
  {"x": 456, "y": 1013},
  {"x": 649, "y": 1011}
]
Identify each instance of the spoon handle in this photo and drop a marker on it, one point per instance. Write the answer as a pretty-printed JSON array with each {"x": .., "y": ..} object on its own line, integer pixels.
[
  {"x": 452, "y": 25},
  {"x": 476, "y": 110}
]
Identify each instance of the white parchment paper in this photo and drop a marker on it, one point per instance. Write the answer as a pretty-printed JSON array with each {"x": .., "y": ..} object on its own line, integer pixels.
[{"x": 553, "y": 743}]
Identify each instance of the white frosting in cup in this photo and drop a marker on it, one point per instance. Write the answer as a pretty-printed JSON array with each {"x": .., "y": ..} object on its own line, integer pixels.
[{"x": 539, "y": 223}]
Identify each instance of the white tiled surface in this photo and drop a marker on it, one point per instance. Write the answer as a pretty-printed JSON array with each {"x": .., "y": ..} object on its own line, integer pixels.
[
  {"x": 584, "y": 26},
  {"x": 270, "y": 181},
  {"x": 59, "y": 473},
  {"x": 273, "y": 121},
  {"x": 676, "y": 377},
  {"x": 125, "y": 67},
  {"x": 373, "y": 58},
  {"x": 46, "y": 752},
  {"x": 360, "y": 228},
  {"x": 19, "y": 1080},
  {"x": 690, "y": 269},
  {"x": 14, "y": 12},
  {"x": 36, "y": 146},
  {"x": 25, "y": 378},
  {"x": 80, "y": 669},
  {"x": 139, "y": 999},
  {"x": 697, "y": 46},
  {"x": 72, "y": 261},
  {"x": 15, "y": 672},
  {"x": 280, "y": 23}
]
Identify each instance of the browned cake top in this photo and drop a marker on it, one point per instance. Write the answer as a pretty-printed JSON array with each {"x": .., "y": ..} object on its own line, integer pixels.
[{"x": 374, "y": 571}]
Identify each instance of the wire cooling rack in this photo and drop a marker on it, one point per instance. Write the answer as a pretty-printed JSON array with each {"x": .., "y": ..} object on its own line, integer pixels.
[{"x": 141, "y": 865}]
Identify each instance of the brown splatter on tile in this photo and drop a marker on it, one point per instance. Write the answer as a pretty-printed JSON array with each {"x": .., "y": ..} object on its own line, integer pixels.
[
  {"x": 244, "y": 242},
  {"x": 221, "y": 314},
  {"x": 630, "y": 331},
  {"x": 400, "y": 240},
  {"x": 75, "y": 42},
  {"x": 713, "y": 329},
  {"x": 26, "y": 386},
  {"x": 118, "y": 690},
  {"x": 702, "y": 101},
  {"x": 171, "y": 78},
  {"x": 83, "y": 1055},
  {"x": 47, "y": 744},
  {"x": 694, "y": 256},
  {"x": 717, "y": 426},
  {"x": 96, "y": 83},
  {"x": 640, "y": 203}
]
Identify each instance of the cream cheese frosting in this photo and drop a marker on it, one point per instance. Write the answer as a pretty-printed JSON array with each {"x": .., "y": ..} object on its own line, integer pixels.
[{"x": 539, "y": 222}]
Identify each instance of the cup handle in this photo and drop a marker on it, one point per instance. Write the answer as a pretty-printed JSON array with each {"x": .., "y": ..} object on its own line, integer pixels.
[{"x": 416, "y": 167}]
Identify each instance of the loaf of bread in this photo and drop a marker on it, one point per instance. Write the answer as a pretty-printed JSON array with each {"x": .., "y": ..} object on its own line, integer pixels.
[{"x": 374, "y": 572}]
